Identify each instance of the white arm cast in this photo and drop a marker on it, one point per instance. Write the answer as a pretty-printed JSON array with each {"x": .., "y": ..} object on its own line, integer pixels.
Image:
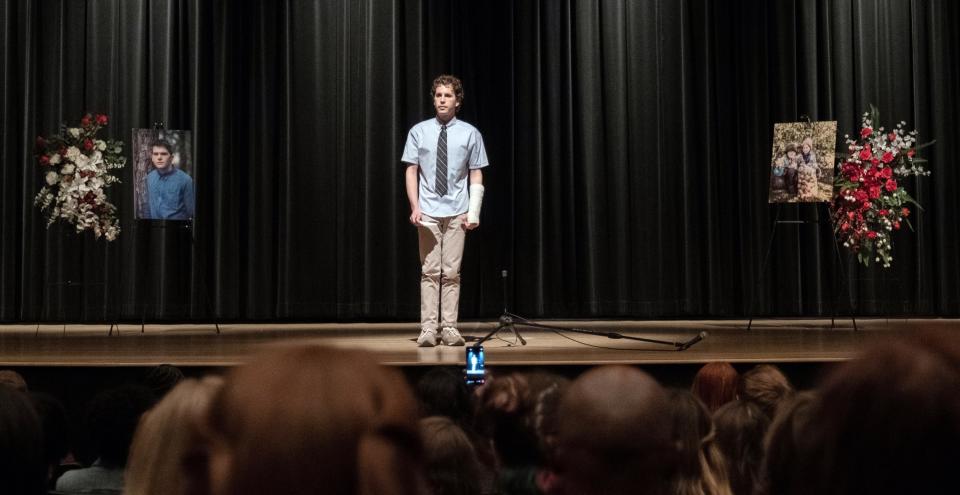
[{"x": 476, "y": 201}]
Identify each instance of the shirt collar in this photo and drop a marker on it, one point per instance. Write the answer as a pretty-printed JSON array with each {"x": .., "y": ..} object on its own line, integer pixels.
[{"x": 449, "y": 124}]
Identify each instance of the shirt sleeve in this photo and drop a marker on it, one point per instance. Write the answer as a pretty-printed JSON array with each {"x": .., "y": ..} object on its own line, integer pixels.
[
  {"x": 478, "y": 154},
  {"x": 411, "y": 151},
  {"x": 189, "y": 198}
]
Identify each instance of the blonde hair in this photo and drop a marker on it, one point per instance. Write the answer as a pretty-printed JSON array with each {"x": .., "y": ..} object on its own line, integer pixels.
[{"x": 166, "y": 435}]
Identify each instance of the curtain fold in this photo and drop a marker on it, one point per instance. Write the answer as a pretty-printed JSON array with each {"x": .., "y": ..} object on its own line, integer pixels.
[{"x": 629, "y": 144}]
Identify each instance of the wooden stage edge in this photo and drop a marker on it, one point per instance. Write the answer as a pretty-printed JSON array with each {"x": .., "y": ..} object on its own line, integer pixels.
[{"x": 769, "y": 340}]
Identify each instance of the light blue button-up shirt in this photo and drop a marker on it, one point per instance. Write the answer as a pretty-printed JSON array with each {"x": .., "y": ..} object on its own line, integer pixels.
[
  {"x": 170, "y": 195},
  {"x": 465, "y": 152}
]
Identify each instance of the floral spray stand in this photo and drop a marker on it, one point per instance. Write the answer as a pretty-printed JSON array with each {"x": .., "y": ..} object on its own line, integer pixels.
[
  {"x": 152, "y": 227},
  {"x": 67, "y": 283},
  {"x": 815, "y": 222},
  {"x": 77, "y": 168}
]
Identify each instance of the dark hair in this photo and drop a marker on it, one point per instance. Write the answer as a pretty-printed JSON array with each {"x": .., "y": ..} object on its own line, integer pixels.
[
  {"x": 22, "y": 471},
  {"x": 161, "y": 143},
  {"x": 111, "y": 420},
  {"x": 887, "y": 422},
  {"x": 741, "y": 427},
  {"x": 453, "y": 82},
  {"x": 56, "y": 427},
  {"x": 162, "y": 378},
  {"x": 786, "y": 447},
  {"x": 442, "y": 392},
  {"x": 13, "y": 380},
  {"x": 518, "y": 412}
]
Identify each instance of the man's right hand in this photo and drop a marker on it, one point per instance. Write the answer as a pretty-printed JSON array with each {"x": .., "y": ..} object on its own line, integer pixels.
[{"x": 415, "y": 217}]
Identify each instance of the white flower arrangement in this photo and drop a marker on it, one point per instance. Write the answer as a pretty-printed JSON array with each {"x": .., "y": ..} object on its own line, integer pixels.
[{"x": 77, "y": 174}]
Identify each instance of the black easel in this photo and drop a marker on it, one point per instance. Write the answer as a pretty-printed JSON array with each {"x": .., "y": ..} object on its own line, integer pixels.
[
  {"x": 176, "y": 225},
  {"x": 509, "y": 321},
  {"x": 836, "y": 246}
]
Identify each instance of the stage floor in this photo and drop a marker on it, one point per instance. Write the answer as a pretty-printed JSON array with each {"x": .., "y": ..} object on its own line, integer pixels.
[{"x": 775, "y": 341}]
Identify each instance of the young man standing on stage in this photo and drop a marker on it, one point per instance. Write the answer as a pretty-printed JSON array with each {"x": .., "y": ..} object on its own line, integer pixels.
[{"x": 439, "y": 156}]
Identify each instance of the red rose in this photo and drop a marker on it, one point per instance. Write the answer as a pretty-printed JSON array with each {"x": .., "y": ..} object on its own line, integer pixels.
[
  {"x": 887, "y": 157},
  {"x": 102, "y": 119},
  {"x": 872, "y": 234},
  {"x": 40, "y": 143},
  {"x": 866, "y": 132},
  {"x": 44, "y": 160},
  {"x": 845, "y": 226},
  {"x": 905, "y": 212},
  {"x": 896, "y": 225},
  {"x": 850, "y": 215},
  {"x": 875, "y": 191},
  {"x": 882, "y": 213},
  {"x": 886, "y": 173},
  {"x": 911, "y": 152},
  {"x": 891, "y": 185},
  {"x": 865, "y": 153},
  {"x": 892, "y": 136},
  {"x": 875, "y": 161},
  {"x": 87, "y": 144},
  {"x": 86, "y": 121}
]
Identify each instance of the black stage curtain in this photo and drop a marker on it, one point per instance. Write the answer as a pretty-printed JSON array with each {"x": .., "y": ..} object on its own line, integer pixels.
[{"x": 629, "y": 143}]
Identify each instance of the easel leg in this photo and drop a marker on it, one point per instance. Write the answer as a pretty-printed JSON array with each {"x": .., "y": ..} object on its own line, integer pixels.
[{"x": 763, "y": 267}]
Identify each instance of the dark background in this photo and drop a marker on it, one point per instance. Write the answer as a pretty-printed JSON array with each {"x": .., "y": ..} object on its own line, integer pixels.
[{"x": 629, "y": 141}]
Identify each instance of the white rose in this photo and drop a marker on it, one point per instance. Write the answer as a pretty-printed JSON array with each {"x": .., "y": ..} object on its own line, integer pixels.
[
  {"x": 52, "y": 178},
  {"x": 82, "y": 161},
  {"x": 101, "y": 145},
  {"x": 68, "y": 169},
  {"x": 55, "y": 159},
  {"x": 74, "y": 131},
  {"x": 73, "y": 152}
]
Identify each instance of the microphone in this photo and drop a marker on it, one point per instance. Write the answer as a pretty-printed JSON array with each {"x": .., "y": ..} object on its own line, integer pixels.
[{"x": 686, "y": 345}]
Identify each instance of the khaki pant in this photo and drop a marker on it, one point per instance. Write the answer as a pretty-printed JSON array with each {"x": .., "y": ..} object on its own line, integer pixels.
[{"x": 441, "y": 251}]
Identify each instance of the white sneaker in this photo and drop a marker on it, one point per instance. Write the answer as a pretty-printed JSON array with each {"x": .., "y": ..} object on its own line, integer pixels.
[
  {"x": 427, "y": 338},
  {"x": 450, "y": 336}
]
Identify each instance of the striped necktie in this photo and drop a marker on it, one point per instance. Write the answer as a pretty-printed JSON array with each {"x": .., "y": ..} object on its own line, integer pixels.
[{"x": 442, "y": 162}]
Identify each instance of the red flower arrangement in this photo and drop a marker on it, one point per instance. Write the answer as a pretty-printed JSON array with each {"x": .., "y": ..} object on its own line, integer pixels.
[
  {"x": 871, "y": 202},
  {"x": 77, "y": 171}
]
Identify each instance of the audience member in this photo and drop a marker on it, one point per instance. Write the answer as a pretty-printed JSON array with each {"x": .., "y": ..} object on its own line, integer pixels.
[
  {"x": 614, "y": 435},
  {"x": 442, "y": 392},
  {"x": 13, "y": 380},
  {"x": 162, "y": 378},
  {"x": 110, "y": 421},
  {"x": 715, "y": 384},
  {"x": 518, "y": 412},
  {"x": 887, "y": 422},
  {"x": 741, "y": 426},
  {"x": 168, "y": 435},
  {"x": 786, "y": 446},
  {"x": 766, "y": 386},
  {"x": 306, "y": 420},
  {"x": 22, "y": 471},
  {"x": 452, "y": 467},
  {"x": 56, "y": 434},
  {"x": 701, "y": 469}
]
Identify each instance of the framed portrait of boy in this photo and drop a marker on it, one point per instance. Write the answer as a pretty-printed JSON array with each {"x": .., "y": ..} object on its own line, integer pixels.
[
  {"x": 163, "y": 187},
  {"x": 801, "y": 168}
]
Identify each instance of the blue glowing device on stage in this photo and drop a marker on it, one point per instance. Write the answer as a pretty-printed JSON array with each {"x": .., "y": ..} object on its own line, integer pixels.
[{"x": 475, "y": 374}]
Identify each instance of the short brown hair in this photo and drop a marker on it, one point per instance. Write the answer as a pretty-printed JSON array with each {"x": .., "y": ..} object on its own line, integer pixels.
[{"x": 453, "y": 82}]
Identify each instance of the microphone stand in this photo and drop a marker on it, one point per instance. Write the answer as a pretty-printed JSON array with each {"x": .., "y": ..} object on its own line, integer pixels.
[{"x": 509, "y": 321}]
